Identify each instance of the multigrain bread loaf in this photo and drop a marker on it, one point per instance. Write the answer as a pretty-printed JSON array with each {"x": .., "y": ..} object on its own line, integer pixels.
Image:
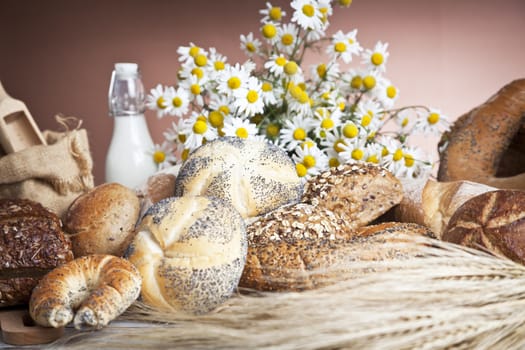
[
  {"x": 299, "y": 247},
  {"x": 357, "y": 192},
  {"x": 494, "y": 221},
  {"x": 91, "y": 291},
  {"x": 32, "y": 244},
  {"x": 190, "y": 252},
  {"x": 102, "y": 220},
  {"x": 253, "y": 175}
]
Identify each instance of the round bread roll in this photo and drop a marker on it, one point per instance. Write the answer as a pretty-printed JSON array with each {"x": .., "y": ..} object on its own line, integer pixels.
[
  {"x": 253, "y": 175},
  {"x": 190, "y": 252},
  {"x": 92, "y": 291},
  {"x": 102, "y": 220},
  {"x": 357, "y": 192},
  {"x": 490, "y": 141},
  {"x": 494, "y": 221}
]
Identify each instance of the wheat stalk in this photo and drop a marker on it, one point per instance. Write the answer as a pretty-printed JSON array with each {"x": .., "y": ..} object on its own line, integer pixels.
[{"x": 446, "y": 297}]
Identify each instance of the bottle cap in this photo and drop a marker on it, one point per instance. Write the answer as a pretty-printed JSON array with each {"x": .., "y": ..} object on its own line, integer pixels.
[{"x": 126, "y": 69}]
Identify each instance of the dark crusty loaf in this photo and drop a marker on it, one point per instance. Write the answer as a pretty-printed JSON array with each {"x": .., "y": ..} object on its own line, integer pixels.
[
  {"x": 358, "y": 193},
  {"x": 289, "y": 247},
  {"x": 32, "y": 243}
]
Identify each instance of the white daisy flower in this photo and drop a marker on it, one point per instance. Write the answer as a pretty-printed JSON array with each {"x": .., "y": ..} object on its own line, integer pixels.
[
  {"x": 272, "y": 13},
  {"x": 158, "y": 100},
  {"x": 275, "y": 64},
  {"x": 163, "y": 155},
  {"x": 374, "y": 153},
  {"x": 334, "y": 141},
  {"x": 295, "y": 131},
  {"x": 344, "y": 46},
  {"x": 325, "y": 6},
  {"x": 239, "y": 127},
  {"x": 293, "y": 72},
  {"x": 325, "y": 120},
  {"x": 288, "y": 37},
  {"x": 268, "y": 93},
  {"x": 198, "y": 130},
  {"x": 307, "y": 14},
  {"x": 354, "y": 151},
  {"x": 298, "y": 100},
  {"x": 334, "y": 159},
  {"x": 189, "y": 69},
  {"x": 325, "y": 72},
  {"x": 188, "y": 53},
  {"x": 179, "y": 101},
  {"x": 351, "y": 130},
  {"x": 217, "y": 63},
  {"x": 392, "y": 154},
  {"x": 309, "y": 160},
  {"x": 403, "y": 118},
  {"x": 386, "y": 93},
  {"x": 269, "y": 32},
  {"x": 250, "y": 45},
  {"x": 248, "y": 99},
  {"x": 368, "y": 114},
  {"x": 195, "y": 88},
  {"x": 414, "y": 164},
  {"x": 434, "y": 122},
  {"x": 232, "y": 79},
  {"x": 222, "y": 103},
  {"x": 376, "y": 58},
  {"x": 175, "y": 133}
]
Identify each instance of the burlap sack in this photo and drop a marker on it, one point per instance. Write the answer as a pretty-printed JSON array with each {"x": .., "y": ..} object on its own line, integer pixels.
[{"x": 53, "y": 174}]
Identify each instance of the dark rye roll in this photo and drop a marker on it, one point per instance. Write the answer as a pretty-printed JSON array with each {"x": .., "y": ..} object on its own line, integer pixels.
[{"x": 32, "y": 243}]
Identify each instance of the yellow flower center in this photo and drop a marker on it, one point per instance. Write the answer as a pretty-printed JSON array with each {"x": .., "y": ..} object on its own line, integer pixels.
[
  {"x": 200, "y": 60},
  {"x": 287, "y": 39},
  {"x": 327, "y": 123},
  {"x": 301, "y": 170},
  {"x": 433, "y": 118},
  {"x": 326, "y": 95},
  {"x": 201, "y": 118},
  {"x": 269, "y": 30},
  {"x": 366, "y": 120},
  {"x": 200, "y": 127},
  {"x": 182, "y": 138},
  {"x": 391, "y": 91},
  {"x": 345, "y": 3},
  {"x": 252, "y": 96},
  {"x": 234, "y": 83},
  {"x": 256, "y": 119},
  {"x": 218, "y": 65},
  {"x": 357, "y": 154},
  {"x": 251, "y": 47},
  {"x": 356, "y": 82},
  {"x": 194, "y": 51},
  {"x": 369, "y": 82},
  {"x": 308, "y": 10},
  {"x": 185, "y": 153},
  {"x": 159, "y": 157},
  {"x": 309, "y": 161},
  {"x": 342, "y": 106},
  {"x": 272, "y": 130},
  {"x": 321, "y": 70},
  {"x": 290, "y": 68},
  {"x": 161, "y": 102},
  {"x": 338, "y": 146},
  {"x": 242, "y": 133},
  {"x": 404, "y": 122},
  {"x": 195, "y": 89},
  {"x": 377, "y": 58},
  {"x": 176, "y": 101},
  {"x": 197, "y": 72},
  {"x": 299, "y": 134},
  {"x": 275, "y": 13},
  {"x": 350, "y": 130},
  {"x": 308, "y": 144},
  {"x": 340, "y": 47},
  {"x": 280, "y": 61},
  {"x": 384, "y": 152},
  {"x": 409, "y": 160},
  {"x": 225, "y": 110},
  {"x": 398, "y": 155},
  {"x": 333, "y": 162},
  {"x": 267, "y": 87},
  {"x": 372, "y": 159},
  {"x": 216, "y": 119}
]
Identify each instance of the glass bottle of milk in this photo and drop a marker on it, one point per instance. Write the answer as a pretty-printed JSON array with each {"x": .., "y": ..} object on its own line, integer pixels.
[{"x": 129, "y": 160}]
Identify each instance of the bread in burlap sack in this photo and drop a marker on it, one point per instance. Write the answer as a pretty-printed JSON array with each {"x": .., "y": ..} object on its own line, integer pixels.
[{"x": 53, "y": 174}]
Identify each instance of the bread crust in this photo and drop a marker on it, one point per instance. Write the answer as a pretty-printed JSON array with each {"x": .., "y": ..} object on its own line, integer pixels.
[
  {"x": 474, "y": 147},
  {"x": 91, "y": 290}
]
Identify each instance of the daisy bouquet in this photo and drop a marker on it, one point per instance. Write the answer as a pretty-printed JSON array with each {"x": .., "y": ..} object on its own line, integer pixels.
[{"x": 336, "y": 111}]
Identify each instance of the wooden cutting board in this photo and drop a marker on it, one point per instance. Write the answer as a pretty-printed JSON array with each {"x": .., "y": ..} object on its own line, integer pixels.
[{"x": 19, "y": 329}]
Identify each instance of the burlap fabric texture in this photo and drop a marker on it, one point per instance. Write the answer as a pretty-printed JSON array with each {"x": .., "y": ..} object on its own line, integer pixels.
[{"x": 54, "y": 174}]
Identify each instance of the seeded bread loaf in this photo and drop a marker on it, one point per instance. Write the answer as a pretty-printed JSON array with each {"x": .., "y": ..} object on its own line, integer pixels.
[
  {"x": 358, "y": 192},
  {"x": 297, "y": 247},
  {"x": 32, "y": 244}
]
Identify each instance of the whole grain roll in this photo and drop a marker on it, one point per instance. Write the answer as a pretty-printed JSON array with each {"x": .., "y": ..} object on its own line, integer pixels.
[
  {"x": 357, "y": 192},
  {"x": 253, "y": 175},
  {"x": 102, "y": 220},
  {"x": 190, "y": 252},
  {"x": 32, "y": 244},
  {"x": 494, "y": 221}
]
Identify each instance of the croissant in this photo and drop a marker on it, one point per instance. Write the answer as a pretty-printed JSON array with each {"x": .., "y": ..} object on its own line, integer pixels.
[{"x": 93, "y": 289}]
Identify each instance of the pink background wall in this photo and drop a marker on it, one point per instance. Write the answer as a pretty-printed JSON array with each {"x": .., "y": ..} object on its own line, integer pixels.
[{"x": 57, "y": 55}]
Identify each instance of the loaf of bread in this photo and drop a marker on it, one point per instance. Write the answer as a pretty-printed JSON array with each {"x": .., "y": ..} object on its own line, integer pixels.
[
  {"x": 432, "y": 203},
  {"x": 253, "y": 175},
  {"x": 190, "y": 252},
  {"x": 494, "y": 221},
  {"x": 357, "y": 192},
  {"x": 102, "y": 220},
  {"x": 32, "y": 244},
  {"x": 297, "y": 247},
  {"x": 91, "y": 291}
]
